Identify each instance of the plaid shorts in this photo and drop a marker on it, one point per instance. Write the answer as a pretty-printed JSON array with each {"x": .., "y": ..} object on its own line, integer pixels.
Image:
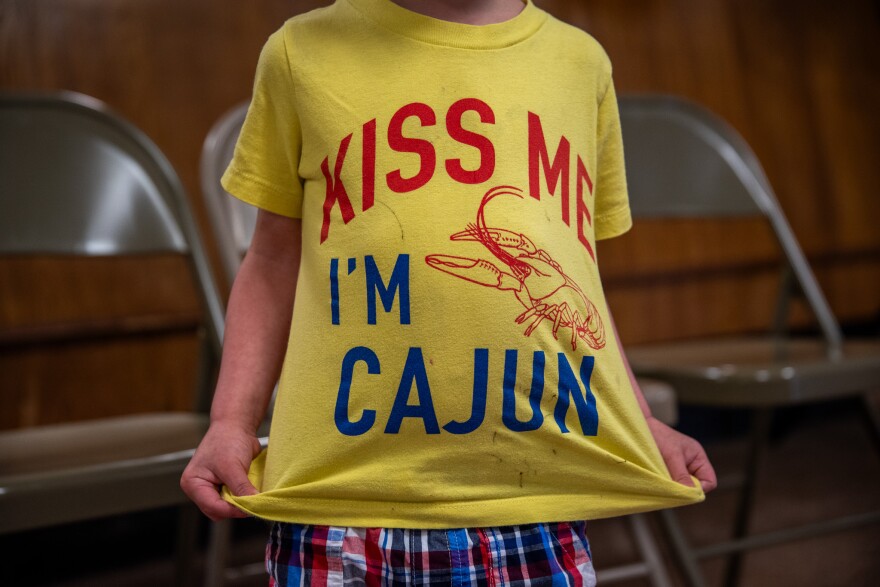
[{"x": 509, "y": 556}]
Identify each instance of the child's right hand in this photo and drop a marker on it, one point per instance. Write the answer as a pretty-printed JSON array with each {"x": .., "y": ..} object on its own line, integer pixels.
[{"x": 222, "y": 458}]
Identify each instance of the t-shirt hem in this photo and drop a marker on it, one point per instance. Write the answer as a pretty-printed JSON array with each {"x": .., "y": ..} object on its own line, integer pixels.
[
  {"x": 261, "y": 194},
  {"x": 614, "y": 223},
  {"x": 469, "y": 514}
]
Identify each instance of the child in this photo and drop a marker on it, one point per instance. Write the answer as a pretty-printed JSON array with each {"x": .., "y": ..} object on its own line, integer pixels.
[{"x": 453, "y": 400}]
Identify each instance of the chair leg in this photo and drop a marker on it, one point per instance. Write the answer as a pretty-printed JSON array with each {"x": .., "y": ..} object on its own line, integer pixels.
[
  {"x": 188, "y": 519},
  {"x": 870, "y": 408},
  {"x": 648, "y": 550},
  {"x": 682, "y": 551},
  {"x": 218, "y": 553},
  {"x": 650, "y": 563},
  {"x": 761, "y": 421}
]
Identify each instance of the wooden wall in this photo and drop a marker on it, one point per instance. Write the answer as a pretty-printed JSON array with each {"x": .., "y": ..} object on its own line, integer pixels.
[{"x": 799, "y": 79}]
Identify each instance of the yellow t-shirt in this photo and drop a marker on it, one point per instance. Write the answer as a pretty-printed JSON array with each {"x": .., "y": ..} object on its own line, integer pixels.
[{"x": 450, "y": 361}]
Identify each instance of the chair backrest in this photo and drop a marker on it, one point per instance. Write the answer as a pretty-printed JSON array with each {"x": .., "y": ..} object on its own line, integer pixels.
[
  {"x": 232, "y": 220},
  {"x": 77, "y": 179},
  {"x": 684, "y": 161}
]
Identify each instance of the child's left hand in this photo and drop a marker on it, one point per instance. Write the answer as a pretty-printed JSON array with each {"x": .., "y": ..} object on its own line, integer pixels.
[{"x": 683, "y": 455}]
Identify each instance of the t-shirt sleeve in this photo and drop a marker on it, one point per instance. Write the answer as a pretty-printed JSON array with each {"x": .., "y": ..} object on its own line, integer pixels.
[
  {"x": 263, "y": 171},
  {"x": 612, "y": 202}
]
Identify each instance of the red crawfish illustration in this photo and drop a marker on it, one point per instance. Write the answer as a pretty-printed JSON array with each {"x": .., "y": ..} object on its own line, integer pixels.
[{"x": 537, "y": 281}]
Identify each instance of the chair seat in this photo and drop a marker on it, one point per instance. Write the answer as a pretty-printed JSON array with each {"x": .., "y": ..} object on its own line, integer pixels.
[
  {"x": 725, "y": 372},
  {"x": 46, "y": 449},
  {"x": 69, "y": 472}
]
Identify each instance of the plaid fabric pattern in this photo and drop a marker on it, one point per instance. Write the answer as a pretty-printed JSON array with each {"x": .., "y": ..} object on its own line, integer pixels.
[{"x": 510, "y": 556}]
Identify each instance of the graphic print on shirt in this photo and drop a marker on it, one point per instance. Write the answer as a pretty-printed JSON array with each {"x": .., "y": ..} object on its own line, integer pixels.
[{"x": 538, "y": 282}]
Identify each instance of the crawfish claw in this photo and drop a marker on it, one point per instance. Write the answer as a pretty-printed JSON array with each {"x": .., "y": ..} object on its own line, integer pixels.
[{"x": 477, "y": 271}]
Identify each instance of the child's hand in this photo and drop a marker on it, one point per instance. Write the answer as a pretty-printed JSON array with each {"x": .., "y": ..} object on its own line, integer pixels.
[
  {"x": 683, "y": 455},
  {"x": 222, "y": 458}
]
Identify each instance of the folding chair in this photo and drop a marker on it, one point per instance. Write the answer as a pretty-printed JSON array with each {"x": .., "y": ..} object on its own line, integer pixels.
[
  {"x": 683, "y": 161},
  {"x": 77, "y": 180}
]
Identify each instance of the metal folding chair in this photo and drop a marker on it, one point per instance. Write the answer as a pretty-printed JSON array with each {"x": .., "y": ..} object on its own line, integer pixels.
[
  {"x": 232, "y": 220},
  {"x": 77, "y": 180},
  {"x": 664, "y": 406},
  {"x": 683, "y": 161}
]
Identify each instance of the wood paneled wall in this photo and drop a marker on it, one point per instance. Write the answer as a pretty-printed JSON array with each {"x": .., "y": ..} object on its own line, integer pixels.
[{"x": 800, "y": 80}]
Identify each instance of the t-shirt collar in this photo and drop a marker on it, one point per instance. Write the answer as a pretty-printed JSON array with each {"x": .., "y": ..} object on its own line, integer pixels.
[{"x": 452, "y": 34}]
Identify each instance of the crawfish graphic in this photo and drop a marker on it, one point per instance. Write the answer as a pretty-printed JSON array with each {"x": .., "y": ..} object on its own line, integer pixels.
[{"x": 537, "y": 281}]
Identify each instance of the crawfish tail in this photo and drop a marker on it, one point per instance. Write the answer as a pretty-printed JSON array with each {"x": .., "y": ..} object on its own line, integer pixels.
[{"x": 593, "y": 327}]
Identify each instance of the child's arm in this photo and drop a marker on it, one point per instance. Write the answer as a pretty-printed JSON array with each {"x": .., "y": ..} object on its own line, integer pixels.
[
  {"x": 683, "y": 455},
  {"x": 257, "y": 329}
]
